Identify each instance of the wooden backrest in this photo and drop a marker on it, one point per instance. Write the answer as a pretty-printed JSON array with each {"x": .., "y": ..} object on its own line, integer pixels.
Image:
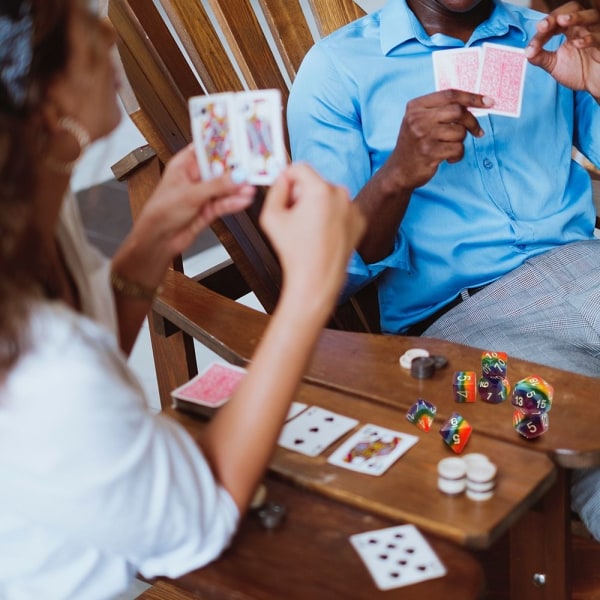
[{"x": 173, "y": 49}]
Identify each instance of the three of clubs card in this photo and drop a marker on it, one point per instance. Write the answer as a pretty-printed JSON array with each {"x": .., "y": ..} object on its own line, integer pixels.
[
  {"x": 492, "y": 70},
  {"x": 372, "y": 450},
  {"x": 397, "y": 556},
  {"x": 240, "y": 131}
]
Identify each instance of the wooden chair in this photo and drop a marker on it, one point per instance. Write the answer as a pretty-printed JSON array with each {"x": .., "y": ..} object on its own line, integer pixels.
[{"x": 215, "y": 46}]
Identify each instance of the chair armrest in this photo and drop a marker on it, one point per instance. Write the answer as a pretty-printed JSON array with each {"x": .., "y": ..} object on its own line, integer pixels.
[{"x": 131, "y": 161}]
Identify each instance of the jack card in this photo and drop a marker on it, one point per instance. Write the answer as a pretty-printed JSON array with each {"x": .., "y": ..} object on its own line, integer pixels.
[
  {"x": 314, "y": 430},
  {"x": 372, "y": 450},
  {"x": 397, "y": 556}
]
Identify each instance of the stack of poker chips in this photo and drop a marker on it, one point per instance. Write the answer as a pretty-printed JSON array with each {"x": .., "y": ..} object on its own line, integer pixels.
[
  {"x": 532, "y": 399},
  {"x": 493, "y": 385},
  {"x": 473, "y": 473}
]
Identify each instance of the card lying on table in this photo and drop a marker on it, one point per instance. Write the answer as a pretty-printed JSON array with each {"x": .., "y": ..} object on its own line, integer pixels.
[
  {"x": 372, "y": 450},
  {"x": 314, "y": 430},
  {"x": 212, "y": 387},
  {"x": 397, "y": 556},
  {"x": 241, "y": 132}
]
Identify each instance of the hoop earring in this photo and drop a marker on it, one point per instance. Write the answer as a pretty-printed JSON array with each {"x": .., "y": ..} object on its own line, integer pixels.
[{"x": 72, "y": 126}]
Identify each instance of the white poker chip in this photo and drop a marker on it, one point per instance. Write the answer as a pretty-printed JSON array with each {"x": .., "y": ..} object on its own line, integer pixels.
[
  {"x": 412, "y": 353},
  {"x": 475, "y": 458},
  {"x": 452, "y": 475},
  {"x": 481, "y": 472}
]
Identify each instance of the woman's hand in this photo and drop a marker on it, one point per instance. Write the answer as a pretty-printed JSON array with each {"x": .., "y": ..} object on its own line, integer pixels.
[
  {"x": 313, "y": 227},
  {"x": 183, "y": 204}
]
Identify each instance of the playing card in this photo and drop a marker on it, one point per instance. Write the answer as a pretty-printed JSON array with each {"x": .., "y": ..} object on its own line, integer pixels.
[
  {"x": 295, "y": 409},
  {"x": 314, "y": 430},
  {"x": 502, "y": 77},
  {"x": 372, "y": 450},
  {"x": 212, "y": 387},
  {"x": 215, "y": 142},
  {"x": 457, "y": 68},
  {"x": 397, "y": 556},
  {"x": 261, "y": 135}
]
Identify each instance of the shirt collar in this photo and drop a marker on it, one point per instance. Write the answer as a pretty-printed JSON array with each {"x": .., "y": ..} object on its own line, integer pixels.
[{"x": 399, "y": 24}]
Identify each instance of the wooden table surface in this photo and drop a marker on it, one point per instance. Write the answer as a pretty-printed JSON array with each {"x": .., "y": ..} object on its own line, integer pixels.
[
  {"x": 408, "y": 492},
  {"x": 368, "y": 366},
  {"x": 309, "y": 556}
]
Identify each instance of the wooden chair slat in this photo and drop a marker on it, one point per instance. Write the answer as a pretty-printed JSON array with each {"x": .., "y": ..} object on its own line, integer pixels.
[{"x": 333, "y": 14}]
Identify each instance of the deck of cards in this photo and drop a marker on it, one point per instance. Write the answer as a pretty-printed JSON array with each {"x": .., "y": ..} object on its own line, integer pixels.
[
  {"x": 212, "y": 387},
  {"x": 493, "y": 70},
  {"x": 241, "y": 132}
]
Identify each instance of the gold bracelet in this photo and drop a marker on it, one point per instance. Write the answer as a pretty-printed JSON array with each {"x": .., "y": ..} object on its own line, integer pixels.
[{"x": 131, "y": 288}]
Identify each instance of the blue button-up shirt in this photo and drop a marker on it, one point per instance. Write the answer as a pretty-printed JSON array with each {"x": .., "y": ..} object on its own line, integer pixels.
[{"x": 516, "y": 193}]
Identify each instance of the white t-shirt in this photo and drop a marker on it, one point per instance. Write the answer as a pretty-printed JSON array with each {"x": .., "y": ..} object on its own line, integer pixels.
[{"x": 94, "y": 487}]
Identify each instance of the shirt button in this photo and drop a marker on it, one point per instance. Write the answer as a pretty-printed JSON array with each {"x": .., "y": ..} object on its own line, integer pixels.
[{"x": 487, "y": 163}]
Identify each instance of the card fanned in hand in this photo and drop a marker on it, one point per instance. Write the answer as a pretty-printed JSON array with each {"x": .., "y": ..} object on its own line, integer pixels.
[{"x": 239, "y": 131}]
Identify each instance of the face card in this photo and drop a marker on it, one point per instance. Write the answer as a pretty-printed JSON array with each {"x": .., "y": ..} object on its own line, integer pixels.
[
  {"x": 397, "y": 556},
  {"x": 213, "y": 132},
  {"x": 314, "y": 430},
  {"x": 372, "y": 450},
  {"x": 502, "y": 78},
  {"x": 261, "y": 135},
  {"x": 457, "y": 68},
  {"x": 213, "y": 387}
]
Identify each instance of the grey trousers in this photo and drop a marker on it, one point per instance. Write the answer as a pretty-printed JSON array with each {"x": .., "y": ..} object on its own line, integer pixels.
[{"x": 546, "y": 311}]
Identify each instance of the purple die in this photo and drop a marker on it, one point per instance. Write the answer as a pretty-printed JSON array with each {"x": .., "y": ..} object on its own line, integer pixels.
[
  {"x": 456, "y": 432},
  {"x": 533, "y": 394},
  {"x": 422, "y": 413},
  {"x": 494, "y": 364},
  {"x": 493, "y": 391},
  {"x": 530, "y": 425}
]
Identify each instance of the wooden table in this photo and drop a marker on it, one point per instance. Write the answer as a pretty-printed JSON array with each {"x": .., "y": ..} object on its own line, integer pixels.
[{"x": 359, "y": 375}]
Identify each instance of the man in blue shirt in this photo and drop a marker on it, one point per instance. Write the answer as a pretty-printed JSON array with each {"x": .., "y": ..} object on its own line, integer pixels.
[{"x": 480, "y": 230}]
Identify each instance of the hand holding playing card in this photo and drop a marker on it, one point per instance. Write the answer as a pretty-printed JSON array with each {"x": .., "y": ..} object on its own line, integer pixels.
[
  {"x": 433, "y": 130},
  {"x": 313, "y": 227},
  {"x": 576, "y": 63}
]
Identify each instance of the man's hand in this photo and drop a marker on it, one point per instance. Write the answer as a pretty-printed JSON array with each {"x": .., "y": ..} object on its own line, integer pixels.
[
  {"x": 433, "y": 130},
  {"x": 576, "y": 64}
]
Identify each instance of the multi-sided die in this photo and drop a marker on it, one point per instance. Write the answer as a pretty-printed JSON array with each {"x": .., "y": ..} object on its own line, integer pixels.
[
  {"x": 464, "y": 386},
  {"x": 494, "y": 365},
  {"x": 532, "y": 399},
  {"x": 533, "y": 394},
  {"x": 456, "y": 432},
  {"x": 530, "y": 425},
  {"x": 422, "y": 413},
  {"x": 493, "y": 391}
]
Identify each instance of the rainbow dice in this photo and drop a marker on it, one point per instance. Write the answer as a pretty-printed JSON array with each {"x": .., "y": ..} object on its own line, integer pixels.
[
  {"x": 532, "y": 399},
  {"x": 422, "y": 413},
  {"x": 464, "y": 386},
  {"x": 533, "y": 394},
  {"x": 530, "y": 425},
  {"x": 493, "y": 391},
  {"x": 456, "y": 432},
  {"x": 494, "y": 365}
]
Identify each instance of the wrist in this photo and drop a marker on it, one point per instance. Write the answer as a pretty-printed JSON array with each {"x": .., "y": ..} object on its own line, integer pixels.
[{"x": 133, "y": 289}]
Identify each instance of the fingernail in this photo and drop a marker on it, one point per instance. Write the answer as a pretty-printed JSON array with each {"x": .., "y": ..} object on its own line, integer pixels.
[
  {"x": 487, "y": 101},
  {"x": 238, "y": 176}
]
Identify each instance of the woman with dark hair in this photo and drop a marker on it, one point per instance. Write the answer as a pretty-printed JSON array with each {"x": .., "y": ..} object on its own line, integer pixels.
[{"x": 93, "y": 487}]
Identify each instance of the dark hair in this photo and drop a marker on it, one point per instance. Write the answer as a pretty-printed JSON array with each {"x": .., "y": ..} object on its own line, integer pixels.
[{"x": 34, "y": 49}]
